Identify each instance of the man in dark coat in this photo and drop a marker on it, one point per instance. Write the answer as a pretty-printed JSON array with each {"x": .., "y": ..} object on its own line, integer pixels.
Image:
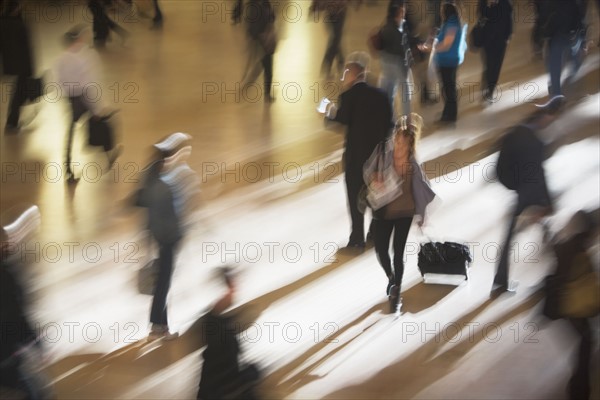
[
  {"x": 498, "y": 16},
  {"x": 15, "y": 47},
  {"x": 520, "y": 168},
  {"x": 367, "y": 113},
  {"x": 559, "y": 19}
]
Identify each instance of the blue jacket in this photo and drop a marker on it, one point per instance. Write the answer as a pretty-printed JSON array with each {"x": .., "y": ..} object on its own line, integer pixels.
[{"x": 456, "y": 53}]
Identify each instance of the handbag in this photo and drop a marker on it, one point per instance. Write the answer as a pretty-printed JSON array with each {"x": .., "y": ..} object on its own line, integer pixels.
[
  {"x": 432, "y": 73},
  {"x": 383, "y": 182},
  {"x": 147, "y": 277},
  {"x": 578, "y": 296},
  {"x": 100, "y": 133},
  {"x": 477, "y": 36}
]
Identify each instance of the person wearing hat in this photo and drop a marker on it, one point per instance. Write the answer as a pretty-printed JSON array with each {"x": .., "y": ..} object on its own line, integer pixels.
[
  {"x": 520, "y": 168},
  {"x": 166, "y": 206},
  {"x": 367, "y": 113}
]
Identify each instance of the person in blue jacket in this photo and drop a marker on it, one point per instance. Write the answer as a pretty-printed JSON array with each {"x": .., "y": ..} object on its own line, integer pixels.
[{"x": 450, "y": 52}]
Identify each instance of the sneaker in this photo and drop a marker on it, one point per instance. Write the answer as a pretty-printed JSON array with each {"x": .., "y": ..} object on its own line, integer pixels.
[
  {"x": 512, "y": 286},
  {"x": 70, "y": 177},
  {"x": 398, "y": 308},
  {"x": 162, "y": 332},
  {"x": 355, "y": 245},
  {"x": 11, "y": 129},
  {"x": 486, "y": 101},
  {"x": 170, "y": 336},
  {"x": 389, "y": 287},
  {"x": 156, "y": 25},
  {"x": 395, "y": 300},
  {"x": 499, "y": 288}
]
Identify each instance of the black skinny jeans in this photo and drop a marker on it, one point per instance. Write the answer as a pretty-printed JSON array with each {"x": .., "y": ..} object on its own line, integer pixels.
[
  {"x": 382, "y": 233},
  {"x": 158, "y": 313}
]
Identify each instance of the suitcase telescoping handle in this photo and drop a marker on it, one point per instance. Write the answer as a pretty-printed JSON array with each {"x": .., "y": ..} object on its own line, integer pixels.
[{"x": 429, "y": 240}]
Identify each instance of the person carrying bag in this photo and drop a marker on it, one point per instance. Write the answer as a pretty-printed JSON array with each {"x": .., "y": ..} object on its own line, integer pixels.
[{"x": 397, "y": 191}]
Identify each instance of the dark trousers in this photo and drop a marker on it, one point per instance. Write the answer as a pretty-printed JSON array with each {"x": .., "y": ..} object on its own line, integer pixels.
[
  {"x": 26, "y": 89},
  {"x": 448, "y": 75},
  {"x": 542, "y": 200},
  {"x": 382, "y": 233},
  {"x": 501, "y": 277},
  {"x": 102, "y": 24},
  {"x": 158, "y": 313},
  {"x": 532, "y": 190},
  {"x": 558, "y": 47},
  {"x": 579, "y": 384},
  {"x": 354, "y": 184},
  {"x": 158, "y": 17},
  {"x": 78, "y": 108},
  {"x": 493, "y": 55},
  {"x": 267, "y": 63},
  {"x": 335, "y": 25}
]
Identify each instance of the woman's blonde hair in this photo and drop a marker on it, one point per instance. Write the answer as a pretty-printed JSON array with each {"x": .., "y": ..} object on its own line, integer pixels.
[{"x": 409, "y": 126}]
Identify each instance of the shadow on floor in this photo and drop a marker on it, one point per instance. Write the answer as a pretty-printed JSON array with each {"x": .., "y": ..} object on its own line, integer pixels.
[
  {"x": 84, "y": 376},
  {"x": 429, "y": 363}
]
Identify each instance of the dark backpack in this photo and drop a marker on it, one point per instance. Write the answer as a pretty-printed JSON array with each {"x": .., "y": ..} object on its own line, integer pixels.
[
  {"x": 520, "y": 157},
  {"x": 506, "y": 167}
]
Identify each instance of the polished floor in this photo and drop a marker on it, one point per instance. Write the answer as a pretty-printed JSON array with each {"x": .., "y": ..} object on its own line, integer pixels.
[{"x": 273, "y": 202}]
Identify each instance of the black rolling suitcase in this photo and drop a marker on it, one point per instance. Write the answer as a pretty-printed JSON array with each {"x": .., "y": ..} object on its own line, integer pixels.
[{"x": 446, "y": 258}]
